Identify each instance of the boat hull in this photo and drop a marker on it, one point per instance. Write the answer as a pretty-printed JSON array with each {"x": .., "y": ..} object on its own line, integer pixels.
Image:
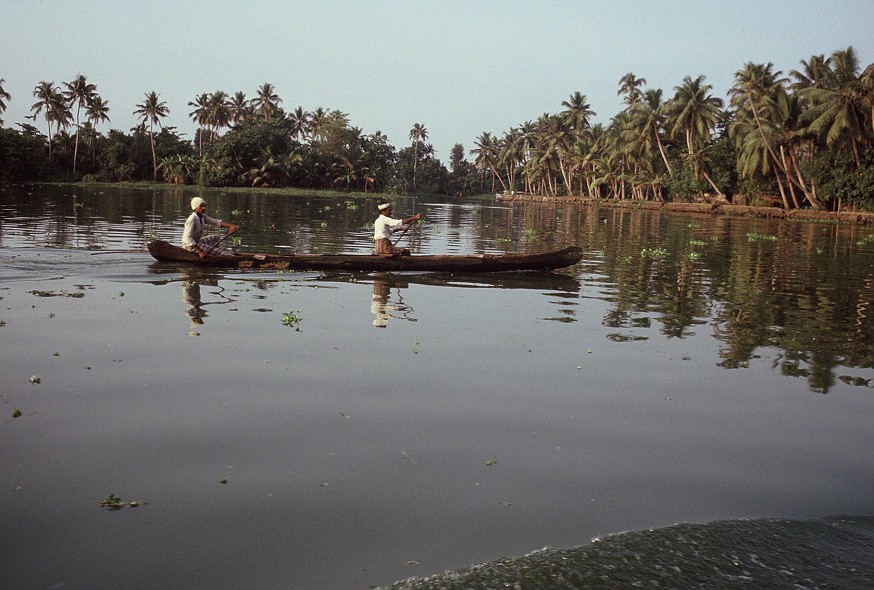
[{"x": 166, "y": 252}]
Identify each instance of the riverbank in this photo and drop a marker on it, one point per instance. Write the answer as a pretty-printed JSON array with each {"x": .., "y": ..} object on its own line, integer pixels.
[{"x": 856, "y": 217}]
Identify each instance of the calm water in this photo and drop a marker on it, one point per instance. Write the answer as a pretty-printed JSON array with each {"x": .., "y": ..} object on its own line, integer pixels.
[{"x": 702, "y": 382}]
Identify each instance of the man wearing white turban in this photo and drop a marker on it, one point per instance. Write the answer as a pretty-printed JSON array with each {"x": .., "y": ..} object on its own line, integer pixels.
[
  {"x": 192, "y": 234},
  {"x": 383, "y": 228}
]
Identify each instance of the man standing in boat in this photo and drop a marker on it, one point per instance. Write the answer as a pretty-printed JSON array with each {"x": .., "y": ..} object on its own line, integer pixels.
[
  {"x": 383, "y": 228},
  {"x": 192, "y": 234}
]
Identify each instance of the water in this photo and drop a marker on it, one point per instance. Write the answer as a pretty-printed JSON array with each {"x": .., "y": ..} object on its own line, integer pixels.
[{"x": 704, "y": 382}]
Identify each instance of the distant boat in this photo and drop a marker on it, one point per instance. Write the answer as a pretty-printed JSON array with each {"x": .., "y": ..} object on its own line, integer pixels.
[{"x": 166, "y": 252}]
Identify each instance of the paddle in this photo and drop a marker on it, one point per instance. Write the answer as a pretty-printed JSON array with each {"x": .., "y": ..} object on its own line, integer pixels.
[
  {"x": 205, "y": 254},
  {"x": 406, "y": 229}
]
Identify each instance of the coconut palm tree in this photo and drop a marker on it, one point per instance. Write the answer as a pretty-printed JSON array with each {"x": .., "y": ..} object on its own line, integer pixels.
[
  {"x": 78, "y": 93},
  {"x": 486, "y": 152},
  {"x": 577, "y": 112},
  {"x": 866, "y": 88},
  {"x": 693, "y": 113},
  {"x": 838, "y": 110},
  {"x": 267, "y": 101},
  {"x": 814, "y": 74},
  {"x": 200, "y": 115},
  {"x": 151, "y": 111},
  {"x": 648, "y": 112},
  {"x": 630, "y": 85},
  {"x": 240, "y": 109},
  {"x": 218, "y": 113},
  {"x": 300, "y": 123},
  {"x": 4, "y": 96},
  {"x": 48, "y": 96},
  {"x": 753, "y": 94},
  {"x": 317, "y": 123},
  {"x": 96, "y": 111},
  {"x": 417, "y": 133}
]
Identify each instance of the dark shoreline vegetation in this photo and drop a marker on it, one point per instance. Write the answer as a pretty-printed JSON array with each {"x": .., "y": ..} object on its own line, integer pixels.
[{"x": 804, "y": 141}]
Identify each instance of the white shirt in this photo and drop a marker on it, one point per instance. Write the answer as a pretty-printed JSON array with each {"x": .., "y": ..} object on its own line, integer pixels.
[
  {"x": 385, "y": 226},
  {"x": 194, "y": 229}
]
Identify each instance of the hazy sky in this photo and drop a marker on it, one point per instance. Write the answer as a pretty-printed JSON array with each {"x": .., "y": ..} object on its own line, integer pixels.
[{"x": 458, "y": 68}]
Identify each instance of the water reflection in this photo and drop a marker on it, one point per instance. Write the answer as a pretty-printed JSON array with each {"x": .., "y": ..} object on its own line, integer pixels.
[
  {"x": 796, "y": 293},
  {"x": 191, "y": 283},
  {"x": 382, "y": 306}
]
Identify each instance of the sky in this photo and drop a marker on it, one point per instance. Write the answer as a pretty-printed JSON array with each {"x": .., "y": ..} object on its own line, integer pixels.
[{"x": 457, "y": 68}]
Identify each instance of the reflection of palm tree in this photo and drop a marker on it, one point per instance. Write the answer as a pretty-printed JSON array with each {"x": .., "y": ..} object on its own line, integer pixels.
[{"x": 152, "y": 110}]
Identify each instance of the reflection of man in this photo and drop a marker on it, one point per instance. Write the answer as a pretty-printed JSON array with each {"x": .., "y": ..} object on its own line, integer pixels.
[
  {"x": 191, "y": 296},
  {"x": 380, "y": 298},
  {"x": 380, "y": 306}
]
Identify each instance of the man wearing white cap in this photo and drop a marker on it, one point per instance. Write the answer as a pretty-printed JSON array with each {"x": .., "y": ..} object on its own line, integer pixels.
[
  {"x": 383, "y": 228},
  {"x": 192, "y": 234}
]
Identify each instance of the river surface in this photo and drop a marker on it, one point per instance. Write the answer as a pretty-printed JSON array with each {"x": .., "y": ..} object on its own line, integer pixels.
[{"x": 690, "y": 405}]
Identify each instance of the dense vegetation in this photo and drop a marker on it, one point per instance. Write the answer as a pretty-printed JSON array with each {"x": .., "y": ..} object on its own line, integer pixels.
[{"x": 803, "y": 141}]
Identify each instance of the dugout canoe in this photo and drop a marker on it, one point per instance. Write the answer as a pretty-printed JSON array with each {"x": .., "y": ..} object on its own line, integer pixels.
[{"x": 166, "y": 252}]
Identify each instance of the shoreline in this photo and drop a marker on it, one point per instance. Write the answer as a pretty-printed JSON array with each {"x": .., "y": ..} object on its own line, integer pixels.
[
  {"x": 848, "y": 217},
  {"x": 844, "y": 217}
]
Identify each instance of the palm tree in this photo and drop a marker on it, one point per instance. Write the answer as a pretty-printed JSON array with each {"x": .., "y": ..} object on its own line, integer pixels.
[
  {"x": 78, "y": 93},
  {"x": 814, "y": 74},
  {"x": 417, "y": 133},
  {"x": 694, "y": 113},
  {"x": 753, "y": 93},
  {"x": 300, "y": 123},
  {"x": 152, "y": 110},
  {"x": 486, "y": 152},
  {"x": 649, "y": 113},
  {"x": 866, "y": 87},
  {"x": 4, "y": 96},
  {"x": 267, "y": 100},
  {"x": 96, "y": 111},
  {"x": 219, "y": 112},
  {"x": 577, "y": 112},
  {"x": 240, "y": 109},
  {"x": 317, "y": 123},
  {"x": 48, "y": 96},
  {"x": 629, "y": 85},
  {"x": 200, "y": 115},
  {"x": 838, "y": 109}
]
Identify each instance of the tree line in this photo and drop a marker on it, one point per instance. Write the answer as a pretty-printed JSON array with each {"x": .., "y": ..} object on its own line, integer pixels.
[{"x": 805, "y": 140}]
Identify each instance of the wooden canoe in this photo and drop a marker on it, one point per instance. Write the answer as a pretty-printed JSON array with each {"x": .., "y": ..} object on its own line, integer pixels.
[{"x": 166, "y": 252}]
